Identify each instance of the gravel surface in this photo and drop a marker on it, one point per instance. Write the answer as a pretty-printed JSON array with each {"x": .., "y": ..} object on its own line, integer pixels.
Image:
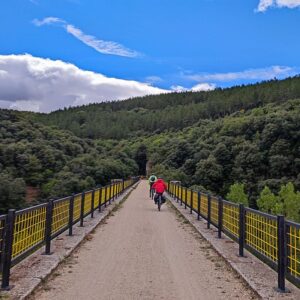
[{"x": 140, "y": 253}]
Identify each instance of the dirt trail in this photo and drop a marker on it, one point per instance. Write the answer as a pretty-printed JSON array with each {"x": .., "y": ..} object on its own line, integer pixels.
[{"x": 140, "y": 253}]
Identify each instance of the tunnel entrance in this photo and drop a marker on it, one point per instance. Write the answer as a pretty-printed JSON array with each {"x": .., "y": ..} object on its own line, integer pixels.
[{"x": 141, "y": 159}]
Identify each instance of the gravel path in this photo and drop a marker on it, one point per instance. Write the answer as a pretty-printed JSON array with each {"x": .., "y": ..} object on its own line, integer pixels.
[{"x": 140, "y": 253}]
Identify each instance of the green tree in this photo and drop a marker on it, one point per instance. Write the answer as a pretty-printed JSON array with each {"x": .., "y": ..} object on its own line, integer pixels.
[
  {"x": 267, "y": 201},
  {"x": 237, "y": 194},
  {"x": 291, "y": 201},
  {"x": 12, "y": 192}
]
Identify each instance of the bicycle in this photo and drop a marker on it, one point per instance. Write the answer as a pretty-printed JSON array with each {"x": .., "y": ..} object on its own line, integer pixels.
[
  {"x": 151, "y": 193},
  {"x": 159, "y": 201}
]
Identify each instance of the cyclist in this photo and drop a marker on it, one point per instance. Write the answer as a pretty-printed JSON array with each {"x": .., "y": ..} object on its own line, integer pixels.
[
  {"x": 159, "y": 186},
  {"x": 152, "y": 180}
]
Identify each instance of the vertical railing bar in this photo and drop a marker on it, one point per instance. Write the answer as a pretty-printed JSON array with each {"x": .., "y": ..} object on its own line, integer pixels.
[
  {"x": 82, "y": 209},
  {"x": 208, "y": 210},
  {"x": 8, "y": 248},
  {"x": 191, "y": 206},
  {"x": 93, "y": 203},
  {"x": 100, "y": 199},
  {"x": 110, "y": 196},
  {"x": 181, "y": 194},
  {"x": 241, "y": 229},
  {"x": 199, "y": 205},
  {"x": 281, "y": 240},
  {"x": 48, "y": 226},
  {"x": 71, "y": 212},
  {"x": 220, "y": 217}
]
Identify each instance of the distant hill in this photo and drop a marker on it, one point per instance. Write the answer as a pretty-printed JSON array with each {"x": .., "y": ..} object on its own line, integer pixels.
[{"x": 155, "y": 114}]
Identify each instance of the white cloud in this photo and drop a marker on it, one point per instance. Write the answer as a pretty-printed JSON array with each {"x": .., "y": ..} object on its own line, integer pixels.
[
  {"x": 250, "y": 74},
  {"x": 44, "y": 85},
  {"x": 48, "y": 21},
  {"x": 265, "y": 4},
  {"x": 203, "y": 87},
  {"x": 104, "y": 47},
  {"x": 197, "y": 88},
  {"x": 178, "y": 88}
]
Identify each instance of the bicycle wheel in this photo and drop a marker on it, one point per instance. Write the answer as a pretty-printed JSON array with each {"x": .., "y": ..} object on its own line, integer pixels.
[{"x": 159, "y": 202}]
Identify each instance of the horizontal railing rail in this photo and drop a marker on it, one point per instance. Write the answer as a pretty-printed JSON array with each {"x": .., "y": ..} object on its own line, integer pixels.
[
  {"x": 272, "y": 239},
  {"x": 24, "y": 231}
]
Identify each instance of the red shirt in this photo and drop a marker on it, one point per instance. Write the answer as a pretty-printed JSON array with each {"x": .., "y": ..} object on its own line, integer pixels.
[{"x": 159, "y": 186}]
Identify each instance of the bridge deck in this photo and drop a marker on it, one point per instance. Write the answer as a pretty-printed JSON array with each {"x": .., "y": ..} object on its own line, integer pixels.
[{"x": 140, "y": 253}]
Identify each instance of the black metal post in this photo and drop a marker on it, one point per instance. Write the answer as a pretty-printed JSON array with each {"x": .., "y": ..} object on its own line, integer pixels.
[
  {"x": 100, "y": 199},
  {"x": 174, "y": 191},
  {"x": 123, "y": 186},
  {"x": 199, "y": 205},
  {"x": 82, "y": 209},
  {"x": 220, "y": 217},
  {"x": 105, "y": 196},
  {"x": 282, "y": 257},
  {"x": 241, "y": 229},
  {"x": 93, "y": 204},
  {"x": 110, "y": 193},
  {"x": 48, "y": 227},
  {"x": 71, "y": 212},
  {"x": 208, "y": 211},
  {"x": 185, "y": 198},
  {"x": 191, "y": 201},
  {"x": 181, "y": 194},
  {"x": 8, "y": 246}
]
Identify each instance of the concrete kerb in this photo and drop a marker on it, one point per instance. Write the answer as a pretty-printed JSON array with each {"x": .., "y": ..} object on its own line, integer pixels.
[
  {"x": 259, "y": 277},
  {"x": 34, "y": 270}
]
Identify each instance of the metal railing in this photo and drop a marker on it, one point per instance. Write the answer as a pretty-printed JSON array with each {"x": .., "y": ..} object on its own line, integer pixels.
[
  {"x": 272, "y": 239},
  {"x": 24, "y": 231}
]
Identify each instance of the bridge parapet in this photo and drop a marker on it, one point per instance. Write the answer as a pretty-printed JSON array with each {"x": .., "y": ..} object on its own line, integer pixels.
[
  {"x": 24, "y": 231},
  {"x": 271, "y": 238}
]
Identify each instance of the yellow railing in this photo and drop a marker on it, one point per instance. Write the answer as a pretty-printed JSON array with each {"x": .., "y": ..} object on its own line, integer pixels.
[
  {"x": 231, "y": 217},
  {"x": 271, "y": 238},
  {"x": 261, "y": 234},
  {"x": 214, "y": 213},
  {"x": 60, "y": 216},
  {"x": 23, "y": 231},
  {"x": 293, "y": 249},
  {"x": 29, "y": 229}
]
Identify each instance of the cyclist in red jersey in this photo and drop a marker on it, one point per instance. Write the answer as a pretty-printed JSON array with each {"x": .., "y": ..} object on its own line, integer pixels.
[{"x": 159, "y": 186}]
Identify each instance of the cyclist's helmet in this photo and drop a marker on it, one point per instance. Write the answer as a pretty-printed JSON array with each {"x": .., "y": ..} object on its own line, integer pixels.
[{"x": 152, "y": 177}]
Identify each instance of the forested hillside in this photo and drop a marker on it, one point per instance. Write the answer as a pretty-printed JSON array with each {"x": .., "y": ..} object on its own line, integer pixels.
[
  {"x": 155, "y": 114},
  {"x": 241, "y": 143},
  {"x": 56, "y": 162},
  {"x": 260, "y": 147}
]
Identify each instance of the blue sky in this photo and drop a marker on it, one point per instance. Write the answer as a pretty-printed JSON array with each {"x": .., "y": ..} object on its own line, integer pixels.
[{"x": 191, "y": 44}]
